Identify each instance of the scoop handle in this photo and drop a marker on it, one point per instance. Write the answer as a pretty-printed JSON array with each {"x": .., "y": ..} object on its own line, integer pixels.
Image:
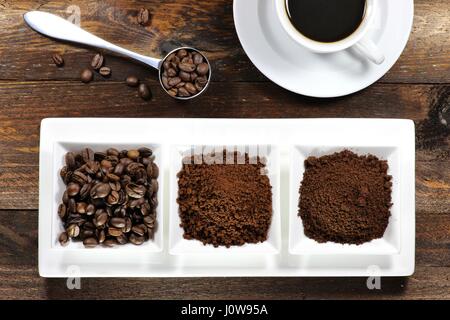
[{"x": 58, "y": 28}]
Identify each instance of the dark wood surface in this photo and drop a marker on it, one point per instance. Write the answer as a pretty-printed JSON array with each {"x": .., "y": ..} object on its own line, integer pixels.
[{"x": 32, "y": 88}]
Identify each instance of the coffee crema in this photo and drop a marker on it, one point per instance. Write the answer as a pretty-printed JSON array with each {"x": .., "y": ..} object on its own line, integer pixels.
[{"x": 326, "y": 20}]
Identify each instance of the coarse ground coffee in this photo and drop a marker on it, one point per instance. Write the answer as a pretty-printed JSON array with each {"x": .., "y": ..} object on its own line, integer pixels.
[
  {"x": 345, "y": 198},
  {"x": 225, "y": 204}
]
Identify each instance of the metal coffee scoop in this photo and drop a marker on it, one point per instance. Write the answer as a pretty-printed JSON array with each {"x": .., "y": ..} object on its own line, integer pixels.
[{"x": 56, "y": 27}]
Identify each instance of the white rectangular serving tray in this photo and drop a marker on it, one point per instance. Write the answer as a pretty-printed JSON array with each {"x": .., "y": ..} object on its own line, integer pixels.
[{"x": 287, "y": 252}]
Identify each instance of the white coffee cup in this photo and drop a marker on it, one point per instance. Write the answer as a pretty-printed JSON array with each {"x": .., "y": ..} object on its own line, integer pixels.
[{"x": 357, "y": 39}]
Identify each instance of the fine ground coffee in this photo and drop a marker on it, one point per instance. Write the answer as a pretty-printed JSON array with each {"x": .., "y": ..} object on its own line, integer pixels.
[
  {"x": 225, "y": 204},
  {"x": 345, "y": 198}
]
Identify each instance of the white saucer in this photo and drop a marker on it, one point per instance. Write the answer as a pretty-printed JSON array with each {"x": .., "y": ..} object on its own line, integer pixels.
[{"x": 299, "y": 70}]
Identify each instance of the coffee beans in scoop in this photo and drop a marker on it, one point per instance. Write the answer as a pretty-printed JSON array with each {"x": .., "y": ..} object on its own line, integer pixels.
[
  {"x": 185, "y": 73},
  {"x": 225, "y": 204},
  {"x": 110, "y": 197},
  {"x": 345, "y": 198}
]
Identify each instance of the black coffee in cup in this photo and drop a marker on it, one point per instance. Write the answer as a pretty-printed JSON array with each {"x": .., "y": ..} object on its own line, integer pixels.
[{"x": 326, "y": 20}]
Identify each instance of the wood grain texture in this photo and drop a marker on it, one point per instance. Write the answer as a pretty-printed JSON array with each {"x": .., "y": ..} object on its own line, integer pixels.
[
  {"x": 207, "y": 25},
  {"x": 18, "y": 260},
  {"x": 32, "y": 88}
]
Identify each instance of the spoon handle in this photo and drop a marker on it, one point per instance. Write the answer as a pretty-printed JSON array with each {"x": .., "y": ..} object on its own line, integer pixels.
[{"x": 56, "y": 27}]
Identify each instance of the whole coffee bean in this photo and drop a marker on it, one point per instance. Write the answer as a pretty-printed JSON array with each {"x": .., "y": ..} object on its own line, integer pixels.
[
  {"x": 198, "y": 58},
  {"x": 109, "y": 243},
  {"x": 135, "y": 191},
  {"x": 174, "y": 81},
  {"x": 187, "y": 60},
  {"x": 200, "y": 83},
  {"x": 140, "y": 229},
  {"x": 99, "y": 156},
  {"x": 182, "y": 53},
  {"x": 185, "y": 76},
  {"x": 97, "y": 61},
  {"x": 128, "y": 225},
  {"x": 73, "y": 231},
  {"x": 84, "y": 192},
  {"x": 87, "y": 233},
  {"x": 149, "y": 222},
  {"x": 117, "y": 222},
  {"x": 182, "y": 92},
  {"x": 87, "y": 154},
  {"x": 112, "y": 152},
  {"x": 113, "y": 198},
  {"x": 133, "y": 154},
  {"x": 202, "y": 69},
  {"x": 171, "y": 72},
  {"x": 190, "y": 88},
  {"x": 132, "y": 81},
  {"x": 79, "y": 177},
  {"x": 90, "y": 242},
  {"x": 70, "y": 160},
  {"x": 100, "y": 190},
  {"x": 180, "y": 85},
  {"x": 90, "y": 209},
  {"x": 73, "y": 189},
  {"x": 115, "y": 232},
  {"x": 144, "y": 91},
  {"x": 81, "y": 207},
  {"x": 188, "y": 67},
  {"x": 155, "y": 171},
  {"x": 136, "y": 240},
  {"x": 143, "y": 17},
  {"x": 155, "y": 185},
  {"x": 171, "y": 57},
  {"x": 63, "y": 239},
  {"x": 173, "y": 92},
  {"x": 72, "y": 206},
  {"x": 101, "y": 219},
  {"x": 145, "y": 152},
  {"x": 86, "y": 76},
  {"x": 122, "y": 239},
  {"x": 101, "y": 236},
  {"x": 65, "y": 198},
  {"x": 165, "y": 82},
  {"x": 105, "y": 71},
  {"x": 58, "y": 60},
  {"x": 62, "y": 211}
]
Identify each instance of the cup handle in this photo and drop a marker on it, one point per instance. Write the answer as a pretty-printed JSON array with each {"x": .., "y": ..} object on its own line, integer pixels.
[{"x": 370, "y": 50}]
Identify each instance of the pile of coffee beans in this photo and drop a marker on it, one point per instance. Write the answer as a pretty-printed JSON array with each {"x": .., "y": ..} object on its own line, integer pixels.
[
  {"x": 185, "y": 73},
  {"x": 225, "y": 204},
  {"x": 110, "y": 197},
  {"x": 345, "y": 198}
]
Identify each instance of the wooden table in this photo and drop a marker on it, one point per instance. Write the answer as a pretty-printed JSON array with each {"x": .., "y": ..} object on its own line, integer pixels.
[{"x": 32, "y": 88}]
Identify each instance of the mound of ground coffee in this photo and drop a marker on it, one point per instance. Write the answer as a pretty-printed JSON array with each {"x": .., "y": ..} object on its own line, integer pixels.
[
  {"x": 225, "y": 204},
  {"x": 345, "y": 198}
]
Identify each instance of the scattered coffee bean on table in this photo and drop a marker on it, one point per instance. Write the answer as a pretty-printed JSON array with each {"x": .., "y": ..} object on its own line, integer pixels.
[
  {"x": 225, "y": 204},
  {"x": 86, "y": 76},
  {"x": 58, "y": 60},
  {"x": 345, "y": 198},
  {"x": 185, "y": 73},
  {"x": 132, "y": 81},
  {"x": 143, "y": 17},
  {"x": 97, "y": 61},
  {"x": 144, "y": 91},
  {"x": 105, "y": 71},
  {"x": 110, "y": 197}
]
